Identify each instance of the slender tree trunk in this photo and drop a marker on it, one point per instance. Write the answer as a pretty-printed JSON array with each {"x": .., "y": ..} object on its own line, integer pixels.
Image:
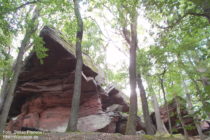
[
  {"x": 72, "y": 125},
  {"x": 3, "y": 92},
  {"x": 150, "y": 129},
  {"x": 161, "y": 129},
  {"x": 198, "y": 90},
  {"x": 191, "y": 112},
  {"x": 16, "y": 72},
  {"x": 166, "y": 103},
  {"x": 131, "y": 123},
  {"x": 178, "y": 109},
  {"x": 203, "y": 79},
  {"x": 206, "y": 84},
  {"x": 160, "y": 125},
  {"x": 5, "y": 80}
]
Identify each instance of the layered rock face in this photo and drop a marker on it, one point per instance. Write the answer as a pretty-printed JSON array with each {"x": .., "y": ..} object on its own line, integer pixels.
[
  {"x": 52, "y": 111},
  {"x": 175, "y": 122},
  {"x": 44, "y": 93}
]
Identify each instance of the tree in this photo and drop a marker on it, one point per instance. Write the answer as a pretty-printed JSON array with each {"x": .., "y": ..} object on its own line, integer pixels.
[
  {"x": 177, "y": 41},
  {"x": 150, "y": 129},
  {"x": 161, "y": 77},
  {"x": 15, "y": 21},
  {"x": 191, "y": 112},
  {"x": 178, "y": 108},
  {"x": 157, "y": 10},
  {"x": 130, "y": 8},
  {"x": 30, "y": 30},
  {"x": 126, "y": 16},
  {"x": 161, "y": 129},
  {"x": 6, "y": 66},
  {"x": 143, "y": 69},
  {"x": 131, "y": 123},
  {"x": 72, "y": 125},
  {"x": 5, "y": 50}
]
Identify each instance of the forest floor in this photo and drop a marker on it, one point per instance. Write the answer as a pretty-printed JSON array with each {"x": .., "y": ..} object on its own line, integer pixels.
[{"x": 89, "y": 136}]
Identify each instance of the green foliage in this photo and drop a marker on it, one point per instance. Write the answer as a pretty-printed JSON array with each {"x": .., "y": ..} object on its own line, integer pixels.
[
  {"x": 6, "y": 35},
  {"x": 117, "y": 77},
  {"x": 70, "y": 30},
  {"x": 174, "y": 130},
  {"x": 190, "y": 127},
  {"x": 92, "y": 38},
  {"x": 172, "y": 11},
  {"x": 39, "y": 49},
  {"x": 182, "y": 48},
  {"x": 144, "y": 62},
  {"x": 5, "y": 66}
]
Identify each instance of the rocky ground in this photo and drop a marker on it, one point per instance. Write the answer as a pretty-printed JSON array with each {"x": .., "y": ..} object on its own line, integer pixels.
[{"x": 88, "y": 136}]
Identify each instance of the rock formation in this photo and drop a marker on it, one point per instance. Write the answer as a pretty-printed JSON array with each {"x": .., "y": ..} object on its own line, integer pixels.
[
  {"x": 176, "y": 126},
  {"x": 44, "y": 91}
]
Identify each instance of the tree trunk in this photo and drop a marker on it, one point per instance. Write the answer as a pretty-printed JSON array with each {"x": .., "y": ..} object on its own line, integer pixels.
[
  {"x": 131, "y": 123},
  {"x": 178, "y": 109},
  {"x": 161, "y": 129},
  {"x": 198, "y": 90},
  {"x": 166, "y": 103},
  {"x": 150, "y": 129},
  {"x": 160, "y": 125},
  {"x": 5, "y": 81},
  {"x": 72, "y": 125},
  {"x": 16, "y": 71},
  {"x": 3, "y": 92},
  {"x": 191, "y": 112}
]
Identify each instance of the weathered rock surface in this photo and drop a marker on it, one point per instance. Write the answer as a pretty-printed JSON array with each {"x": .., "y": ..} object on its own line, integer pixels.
[
  {"x": 121, "y": 124},
  {"x": 44, "y": 92},
  {"x": 94, "y": 122},
  {"x": 176, "y": 125},
  {"x": 47, "y": 112}
]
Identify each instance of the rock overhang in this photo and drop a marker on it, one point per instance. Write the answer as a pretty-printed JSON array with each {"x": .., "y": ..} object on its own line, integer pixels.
[{"x": 41, "y": 84}]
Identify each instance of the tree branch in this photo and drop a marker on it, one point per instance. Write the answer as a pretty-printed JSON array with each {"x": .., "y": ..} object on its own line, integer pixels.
[
  {"x": 25, "y": 4},
  {"x": 197, "y": 14},
  {"x": 180, "y": 19},
  {"x": 206, "y": 15},
  {"x": 173, "y": 24},
  {"x": 127, "y": 35},
  {"x": 21, "y": 6}
]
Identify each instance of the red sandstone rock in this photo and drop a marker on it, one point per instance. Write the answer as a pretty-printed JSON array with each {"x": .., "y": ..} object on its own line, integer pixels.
[
  {"x": 31, "y": 120},
  {"x": 44, "y": 92},
  {"x": 188, "y": 120},
  {"x": 49, "y": 111},
  {"x": 16, "y": 123}
]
